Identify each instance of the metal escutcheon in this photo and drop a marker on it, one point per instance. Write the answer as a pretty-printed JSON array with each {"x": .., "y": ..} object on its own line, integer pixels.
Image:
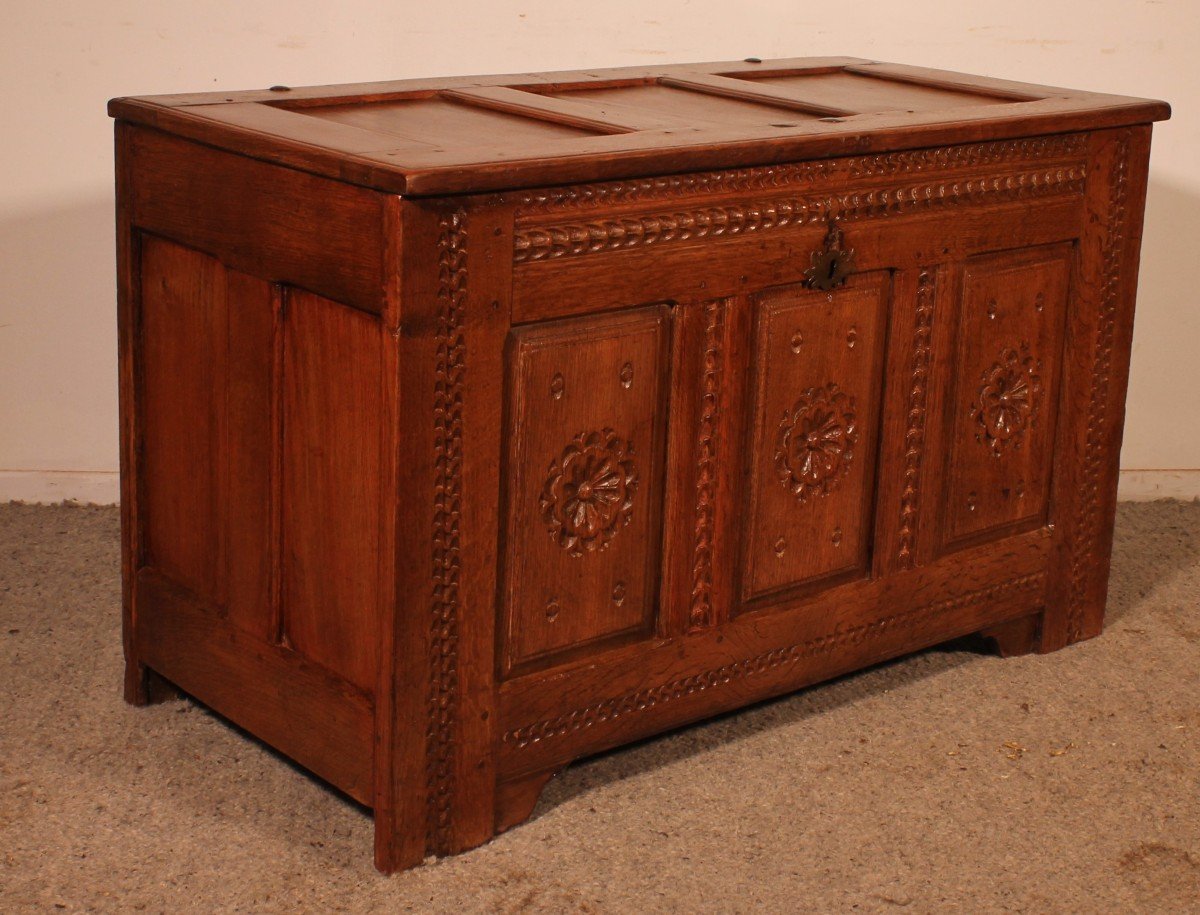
[{"x": 832, "y": 264}]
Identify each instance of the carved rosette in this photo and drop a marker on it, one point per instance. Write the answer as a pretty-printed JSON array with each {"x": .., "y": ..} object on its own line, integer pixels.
[
  {"x": 1008, "y": 401},
  {"x": 814, "y": 447},
  {"x": 588, "y": 494}
]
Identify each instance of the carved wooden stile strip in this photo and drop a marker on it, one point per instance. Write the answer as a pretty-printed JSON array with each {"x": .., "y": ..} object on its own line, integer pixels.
[
  {"x": 711, "y": 408},
  {"x": 914, "y": 434},
  {"x": 443, "y": 687},
  {"x": 1087, "y": 531}
]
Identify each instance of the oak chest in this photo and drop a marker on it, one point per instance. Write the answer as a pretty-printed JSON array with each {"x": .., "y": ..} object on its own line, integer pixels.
[{"x": 474, "y": 425}]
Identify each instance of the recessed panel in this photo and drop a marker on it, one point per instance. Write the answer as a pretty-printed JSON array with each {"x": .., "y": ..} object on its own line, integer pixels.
[
  {"x": 440, "y": 122},
  {"x": 1004, "y": 407},
  {"x": 330, "y": 487},
  {"x": 207, "y": 338},
  {"x": 587, "y": 420},
  {"x": 698, "y": 107},
  {"x": 183, "y": 320},
  {"x": 867, "y": 94},
  {"x": 820, "y": 358}
]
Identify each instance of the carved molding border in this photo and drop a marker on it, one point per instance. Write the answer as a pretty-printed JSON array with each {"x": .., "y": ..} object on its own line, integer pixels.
[
  {"x": 642, "y": 700},
  {"x": 701, "y": 614},
  {"x": 644, "y": 190},
  {"x": 1087, "y": 525},
  {"x": 447, "y": 420},
  {"x": 914, "y": 434},
  {"x": 573, "y": 239}
]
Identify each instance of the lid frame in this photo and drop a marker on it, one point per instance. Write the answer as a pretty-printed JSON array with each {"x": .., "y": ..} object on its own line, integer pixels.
[{"x": 625, "y": 141}]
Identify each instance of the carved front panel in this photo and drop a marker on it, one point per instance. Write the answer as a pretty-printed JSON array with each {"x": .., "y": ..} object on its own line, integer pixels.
[
  {"x": 1005, "y": 391},
  {"x": 588, "y": 415},
  {"x": 820, "y": 359}
]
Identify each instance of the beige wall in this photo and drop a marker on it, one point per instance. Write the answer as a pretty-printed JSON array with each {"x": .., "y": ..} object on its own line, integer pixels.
[{"x": 60, "y": 61}]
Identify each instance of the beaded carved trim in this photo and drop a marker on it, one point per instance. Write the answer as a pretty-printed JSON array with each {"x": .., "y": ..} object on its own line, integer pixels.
[
  {"x": 639, "y": 230},
  {"x": 914, "y": 434},
  {"x": 701, "y": 614},
  {"x": 447, "y": 419},
  {"x": 683, "y": 687},
  {"x": 1087, "y": 527},
  {"x": 645, "y": 190}
]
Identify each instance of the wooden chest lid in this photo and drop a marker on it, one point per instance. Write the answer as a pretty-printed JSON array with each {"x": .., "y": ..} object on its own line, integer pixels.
[{"x": 488, "y": 133}]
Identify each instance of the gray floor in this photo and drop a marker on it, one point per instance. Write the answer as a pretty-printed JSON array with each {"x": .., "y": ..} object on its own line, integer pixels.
[{"x": 947, "y": 781}]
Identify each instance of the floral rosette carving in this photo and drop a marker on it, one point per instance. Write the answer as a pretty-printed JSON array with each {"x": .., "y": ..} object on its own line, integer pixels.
[
  {"x": 815, "y": 443},
  {"x": 588, "y": 494},
  {"x": 1008, "y": 400}
]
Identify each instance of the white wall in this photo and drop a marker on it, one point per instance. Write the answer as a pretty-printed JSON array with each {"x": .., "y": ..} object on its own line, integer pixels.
[{"x": 60, "y": 61}]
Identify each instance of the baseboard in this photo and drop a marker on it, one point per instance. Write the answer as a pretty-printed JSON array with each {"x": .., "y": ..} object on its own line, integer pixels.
[
  {"x": 88, "y": 486},
  {"x": 103, "y": 487},
  {"x": 1148, "y": 485}
]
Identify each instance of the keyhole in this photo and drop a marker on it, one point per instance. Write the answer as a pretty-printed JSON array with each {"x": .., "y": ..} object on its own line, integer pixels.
[{"x": 833, "y": 266}]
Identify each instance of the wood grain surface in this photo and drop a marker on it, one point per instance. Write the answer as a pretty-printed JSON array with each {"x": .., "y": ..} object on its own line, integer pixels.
[
  {"x": 750, "y": 375},
  {"x": 468, "y": 134}
]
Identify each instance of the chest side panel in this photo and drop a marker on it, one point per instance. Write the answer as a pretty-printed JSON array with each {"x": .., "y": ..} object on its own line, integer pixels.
[{"x": 257, "y": 444}]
